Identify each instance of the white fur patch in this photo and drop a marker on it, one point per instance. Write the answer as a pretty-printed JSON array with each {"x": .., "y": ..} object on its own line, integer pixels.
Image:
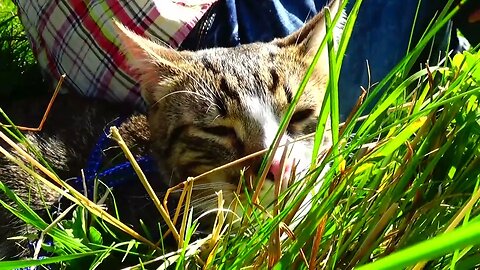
[
  {"x": 269, "y": 122},
  {"x": 264, "y": 116}
]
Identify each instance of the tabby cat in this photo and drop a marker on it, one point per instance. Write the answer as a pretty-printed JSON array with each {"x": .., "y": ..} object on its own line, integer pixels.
[{"x": 206, "y": 108}]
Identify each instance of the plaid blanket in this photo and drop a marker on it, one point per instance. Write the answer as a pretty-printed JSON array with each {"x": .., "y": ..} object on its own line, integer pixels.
[{"x": 75, "y": 37}]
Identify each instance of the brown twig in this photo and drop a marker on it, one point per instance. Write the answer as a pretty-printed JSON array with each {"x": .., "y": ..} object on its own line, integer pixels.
[
  {"x": 47, "y": 110},
  {"x": 316, "y": 243},
  {"x": 359, "y": 103}
]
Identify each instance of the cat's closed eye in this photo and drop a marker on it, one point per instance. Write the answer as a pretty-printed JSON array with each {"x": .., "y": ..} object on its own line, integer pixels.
[
  {"x": 299, "y": 118},
  {"x": 222, "y": 131},
  {"x": 228, "y": 133},
  {"x": 302, "y": 115}
]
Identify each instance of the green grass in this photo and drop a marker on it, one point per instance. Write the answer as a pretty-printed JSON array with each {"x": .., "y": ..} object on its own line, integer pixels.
[
  {"x": 19, "y": 73},
  {"x": 402, "y": 190}
]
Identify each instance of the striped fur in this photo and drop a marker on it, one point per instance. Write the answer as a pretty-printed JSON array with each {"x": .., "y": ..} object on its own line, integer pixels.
[
  {"x": 214, "y": 106},
  {"x": 206, "y": 109}
]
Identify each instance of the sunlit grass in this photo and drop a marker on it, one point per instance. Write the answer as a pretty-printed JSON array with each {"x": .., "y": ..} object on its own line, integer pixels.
[{"x": 402, "y": 190}]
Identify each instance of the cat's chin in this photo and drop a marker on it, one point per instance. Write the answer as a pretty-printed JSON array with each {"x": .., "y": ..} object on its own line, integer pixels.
[{"x": 210, "y": 202}]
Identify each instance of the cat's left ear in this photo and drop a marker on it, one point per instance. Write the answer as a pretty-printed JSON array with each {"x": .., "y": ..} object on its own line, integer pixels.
[
  {"x": 310, "y": 36},
  {"x": 154, "y": 65}
]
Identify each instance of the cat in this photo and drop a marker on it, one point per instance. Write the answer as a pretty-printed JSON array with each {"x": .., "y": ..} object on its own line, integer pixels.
[{"x": 205, "y": 109}]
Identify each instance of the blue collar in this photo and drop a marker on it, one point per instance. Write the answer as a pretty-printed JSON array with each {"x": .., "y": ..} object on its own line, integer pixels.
[{"x": 116, "y": 175}]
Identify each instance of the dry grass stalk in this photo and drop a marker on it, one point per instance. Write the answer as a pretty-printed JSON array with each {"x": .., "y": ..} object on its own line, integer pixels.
[
  {"x": 73, "y": 195},
  {"x": 143, "y": 179}
]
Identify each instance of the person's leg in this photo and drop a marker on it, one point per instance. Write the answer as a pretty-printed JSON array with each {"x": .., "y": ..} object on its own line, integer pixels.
[
  {"x": 380, "y": 35},
  {"x": 76, "y": 38},
  {"x": 232, "y": 22}
]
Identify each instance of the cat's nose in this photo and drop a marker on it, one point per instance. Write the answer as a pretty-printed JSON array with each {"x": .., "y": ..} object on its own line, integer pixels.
[
  {"x": 281, "y": 166},
  {"x": 279, "y": 170}
]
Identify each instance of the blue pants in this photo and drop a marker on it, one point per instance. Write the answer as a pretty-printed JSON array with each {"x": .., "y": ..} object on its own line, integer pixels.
[{"x": 380, "y": 36}]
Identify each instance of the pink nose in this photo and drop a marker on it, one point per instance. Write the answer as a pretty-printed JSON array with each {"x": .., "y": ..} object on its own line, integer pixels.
[{"x": 276, "y": 168}]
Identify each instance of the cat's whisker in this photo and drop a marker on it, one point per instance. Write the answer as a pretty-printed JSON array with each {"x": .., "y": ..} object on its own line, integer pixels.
[
  {"x": 212, "y": 104},
  {"x": 207, "y": 193},
  {"x": 179, "y": 187},
  {"x": 206, "y": 202},
  {"x": 203, "y": 84},
  {"x": 213, "y": 185},
  {"x": 199, "y": 80},
  {"x": 183, "y": 92},
  {"x": 203, "y": 200},
  {"x": 233, "y": 163},
  {"x": 198, "y": 203}
]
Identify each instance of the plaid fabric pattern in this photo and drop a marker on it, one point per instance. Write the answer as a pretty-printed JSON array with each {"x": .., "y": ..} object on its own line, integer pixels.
[{"x": 76, "y": 38}]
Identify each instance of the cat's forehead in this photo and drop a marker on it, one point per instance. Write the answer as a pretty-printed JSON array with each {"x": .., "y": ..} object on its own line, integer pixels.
[
  {"x": 242, "y": 71},
  {"x": 260, "y": 73},
  {"x": 257, "y": 48},
  {"x": 241, "y": 56}
]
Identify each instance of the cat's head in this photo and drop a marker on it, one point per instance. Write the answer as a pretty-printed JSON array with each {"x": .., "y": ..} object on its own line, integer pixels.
[{"x": 214, "y": 106}]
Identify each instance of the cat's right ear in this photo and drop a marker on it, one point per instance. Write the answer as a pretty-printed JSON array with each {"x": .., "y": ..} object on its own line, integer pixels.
[
  {"x": 308, "y": 38},
  {"x": 313, "y": 32},
  {"x": 154, "y": 65}
]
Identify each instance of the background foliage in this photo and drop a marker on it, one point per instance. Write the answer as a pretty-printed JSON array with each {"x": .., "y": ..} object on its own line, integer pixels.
[
  {"x": 19, "y": 74},
  {"x": 400, "y": 190}
]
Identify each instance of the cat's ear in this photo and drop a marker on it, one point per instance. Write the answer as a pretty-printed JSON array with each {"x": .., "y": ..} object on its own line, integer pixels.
[
  {"x": 154, "y": 65},
  {"x": 310, "y": 36}
]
